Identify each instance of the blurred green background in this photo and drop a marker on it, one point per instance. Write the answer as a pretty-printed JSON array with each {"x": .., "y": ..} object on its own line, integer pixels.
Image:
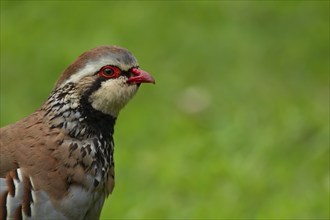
[{"x": 237, "y": 125}]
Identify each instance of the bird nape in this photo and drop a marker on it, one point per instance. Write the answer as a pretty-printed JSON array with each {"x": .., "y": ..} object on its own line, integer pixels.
[{"x": 58, "y": 162}]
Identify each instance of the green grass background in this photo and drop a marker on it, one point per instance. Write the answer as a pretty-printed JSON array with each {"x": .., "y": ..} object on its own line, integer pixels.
[{"x": 237, "y": 125}]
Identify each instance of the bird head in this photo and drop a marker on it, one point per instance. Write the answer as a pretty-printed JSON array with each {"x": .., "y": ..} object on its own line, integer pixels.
[{"x": 105, "y": 77}]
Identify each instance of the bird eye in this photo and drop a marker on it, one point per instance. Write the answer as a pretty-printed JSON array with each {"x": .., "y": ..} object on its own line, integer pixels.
[{"x": 109, "y": 71}]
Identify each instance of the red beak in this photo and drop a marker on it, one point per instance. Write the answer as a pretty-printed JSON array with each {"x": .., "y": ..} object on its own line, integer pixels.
[{"x": 140, "y": 76}]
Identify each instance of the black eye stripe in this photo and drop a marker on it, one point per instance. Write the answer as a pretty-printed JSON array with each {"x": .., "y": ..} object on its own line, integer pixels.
[{"x": 125, "y": 73}]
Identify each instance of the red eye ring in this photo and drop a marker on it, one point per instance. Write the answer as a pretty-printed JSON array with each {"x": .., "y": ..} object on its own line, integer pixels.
[{"x": 109, "y": 72}]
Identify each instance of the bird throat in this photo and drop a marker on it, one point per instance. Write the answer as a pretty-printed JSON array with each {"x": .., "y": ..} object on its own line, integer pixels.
[{"x": 90, "y": 143}]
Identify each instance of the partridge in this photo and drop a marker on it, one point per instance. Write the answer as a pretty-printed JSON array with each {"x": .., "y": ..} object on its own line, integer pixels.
[{"x": 58, "y": 162}]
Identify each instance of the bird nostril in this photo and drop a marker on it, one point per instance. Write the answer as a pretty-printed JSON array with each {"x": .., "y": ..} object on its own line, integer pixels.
[
  {"x": 140, "y": 77},
  {"x": 136, "y": 71}
]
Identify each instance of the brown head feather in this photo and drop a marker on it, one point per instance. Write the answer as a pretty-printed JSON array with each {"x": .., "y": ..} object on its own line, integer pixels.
[{"x": 121, "y": 55}]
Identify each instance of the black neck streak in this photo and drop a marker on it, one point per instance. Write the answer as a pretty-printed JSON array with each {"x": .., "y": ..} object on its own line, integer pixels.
[{"x": 90, "y": 130}]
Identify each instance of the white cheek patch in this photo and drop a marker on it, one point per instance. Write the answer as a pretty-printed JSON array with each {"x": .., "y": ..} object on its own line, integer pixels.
[{"x": 112, "y": 96}]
